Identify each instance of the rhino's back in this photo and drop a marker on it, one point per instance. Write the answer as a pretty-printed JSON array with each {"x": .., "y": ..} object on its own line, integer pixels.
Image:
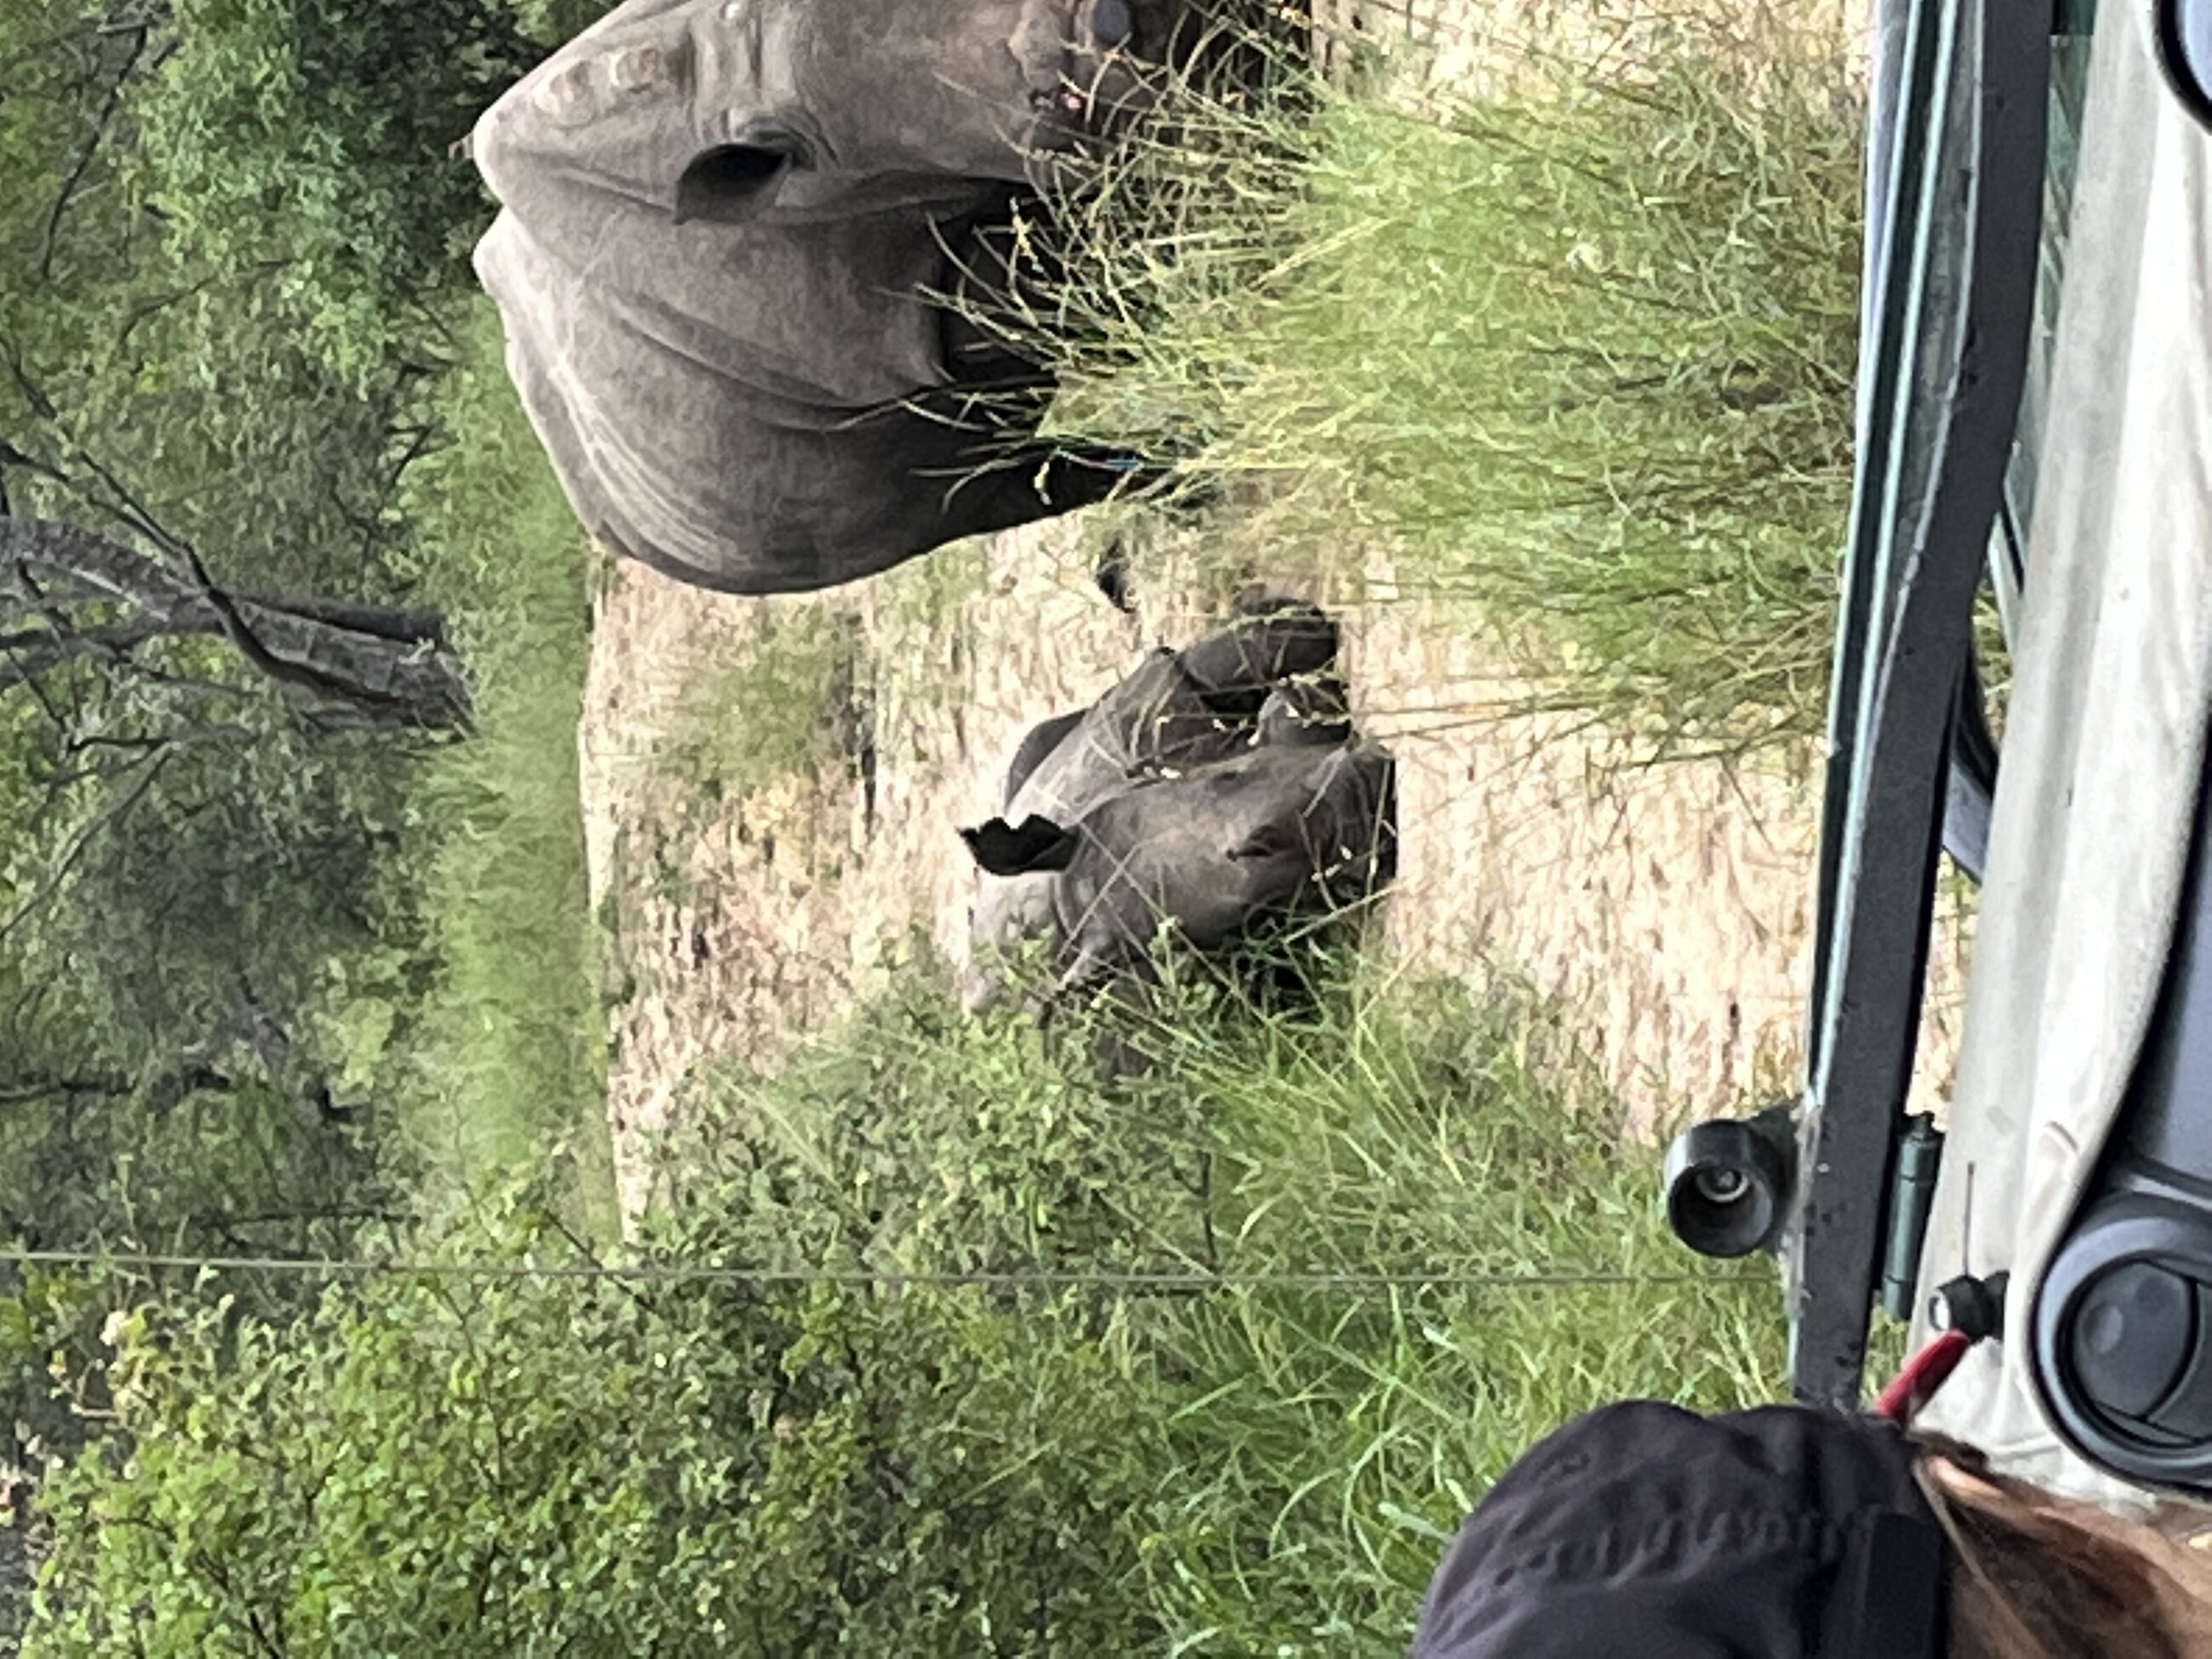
[{"x": 1155, "y": 724}]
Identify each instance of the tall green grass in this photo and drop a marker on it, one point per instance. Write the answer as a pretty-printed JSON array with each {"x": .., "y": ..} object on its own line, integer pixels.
[
  {"x": 1300, "y": 1448},
  {"x": 1581, "y": 357},
  {"x": 1041, "y": 1450},
  {"x": 515, "y": 1053}
]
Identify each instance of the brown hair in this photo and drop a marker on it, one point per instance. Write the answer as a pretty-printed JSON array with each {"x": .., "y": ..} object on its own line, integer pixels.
[{"x": 2035, "y": 1576}]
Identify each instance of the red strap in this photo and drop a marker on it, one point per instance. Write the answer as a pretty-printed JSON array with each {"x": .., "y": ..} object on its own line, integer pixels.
[{"x": 1923, "y": 1375}]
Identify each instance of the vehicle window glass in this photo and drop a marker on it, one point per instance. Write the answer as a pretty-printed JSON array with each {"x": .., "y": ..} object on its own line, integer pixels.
[{"x": 2070, "y": 80}]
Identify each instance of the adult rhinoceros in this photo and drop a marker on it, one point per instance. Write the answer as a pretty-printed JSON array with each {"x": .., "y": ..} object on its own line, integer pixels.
[
  {"x": 1216, "y": 790},
  {"x": 720, "y": 222}
]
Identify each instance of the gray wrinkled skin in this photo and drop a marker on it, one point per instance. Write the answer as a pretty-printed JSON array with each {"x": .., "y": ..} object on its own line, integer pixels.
[
  {"x": 1280, "y": 831},
  {"x": 1175, "y": 711},
  {"x": 718, "y": 222},
  {"x": 1207, "y": 800}
]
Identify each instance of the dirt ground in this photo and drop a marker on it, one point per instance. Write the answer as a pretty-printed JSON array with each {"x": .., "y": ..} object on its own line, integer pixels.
[{"x": 1669, "y": 909}]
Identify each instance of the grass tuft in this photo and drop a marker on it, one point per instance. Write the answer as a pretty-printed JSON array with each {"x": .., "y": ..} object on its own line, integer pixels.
[
  {"x": 1308, "y": 1447},
  {"x": 1580, "y": 358},
  {"x": 515, "y": 1053},
  {"x": 774, "y": 701}
]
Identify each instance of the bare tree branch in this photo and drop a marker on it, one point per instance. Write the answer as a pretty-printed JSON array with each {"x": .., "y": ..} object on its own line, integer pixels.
[
  {"x": 287, "y": 672},
  {"x": 30, "y": 655},
  {"x": 393, "y": 663},
  {"x": 89, "y": 147},
  {"x": 377, "y": 622},
  {"x": 90, "y": 564}
]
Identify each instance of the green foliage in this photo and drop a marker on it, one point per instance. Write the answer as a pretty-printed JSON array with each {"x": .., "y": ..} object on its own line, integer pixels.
[
  {"x": 168, "y": 344},
  {"x": 551, "y": 22},
  {"x": 256, "y": 863},
  {"x": 469, "y": 1465},
  {"x": 227, "y": 240},
  {"x": 512, "y": 1050},
  {"x": 441, "y": 1471},
  {"x": 48, "y": 1323},
  {"x": 1307, "y": 1448},
  {"x": 205, "y": 1016},
  {"x": 57, "y": 65},
  {"x": 190, "y": 844},
  {"x": 473, "y": 1467},
  {"x": 217, "y": 974},
  {"x": 1581, "y": 360},
  {"x": 106, "y": 1140},
  {"x": 308, "y": 138}
]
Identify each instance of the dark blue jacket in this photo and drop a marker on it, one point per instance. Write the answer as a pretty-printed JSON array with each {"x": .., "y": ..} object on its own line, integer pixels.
[{"x": 1648, "y": 1532}]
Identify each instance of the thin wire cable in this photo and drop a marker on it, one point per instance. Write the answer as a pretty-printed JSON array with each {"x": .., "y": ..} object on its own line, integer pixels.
[{"x": 149, "y": 1261}]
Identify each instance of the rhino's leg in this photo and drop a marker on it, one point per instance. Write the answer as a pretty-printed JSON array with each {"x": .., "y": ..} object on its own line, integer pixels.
[
  {"x": 1236, "y": 667},
  {"x": 1110, "y": 572},
  {"x": 1009, "y": 488},
  {"x": 1307, "y": 713},
  {"x": 1043, "y": 737}
]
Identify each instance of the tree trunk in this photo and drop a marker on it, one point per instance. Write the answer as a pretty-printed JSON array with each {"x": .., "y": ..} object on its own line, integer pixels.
[{"x": 68, "y": 594}]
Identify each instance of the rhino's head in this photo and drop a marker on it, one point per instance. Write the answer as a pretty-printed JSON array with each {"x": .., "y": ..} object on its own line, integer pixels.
[
  {"x": 722, "y": 222},
  {"x": 1284, "y": 829},
  {"x": 1010, "y": 915},
  {"x": 737, "y": 110}
]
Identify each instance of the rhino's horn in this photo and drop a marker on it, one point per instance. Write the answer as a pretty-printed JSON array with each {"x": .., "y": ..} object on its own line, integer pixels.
[{"x": 1037, "y": 844}]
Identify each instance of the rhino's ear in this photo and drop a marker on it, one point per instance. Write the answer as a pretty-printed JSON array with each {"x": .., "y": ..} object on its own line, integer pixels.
[
  {"x": 1036, "y": 845},
  {"x": 731, "y": 183}
]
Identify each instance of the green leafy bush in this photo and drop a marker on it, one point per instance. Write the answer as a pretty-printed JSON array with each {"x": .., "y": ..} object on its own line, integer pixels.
[
  {"x": 309, "y": 137},
  {"x": 1260, "y": 1456}
]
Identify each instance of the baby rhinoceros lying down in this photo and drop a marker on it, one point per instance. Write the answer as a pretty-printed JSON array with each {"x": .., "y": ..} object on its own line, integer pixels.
[
  {"x": 1283, "y": 831},
  {"x": 1214, "y": 793}
]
